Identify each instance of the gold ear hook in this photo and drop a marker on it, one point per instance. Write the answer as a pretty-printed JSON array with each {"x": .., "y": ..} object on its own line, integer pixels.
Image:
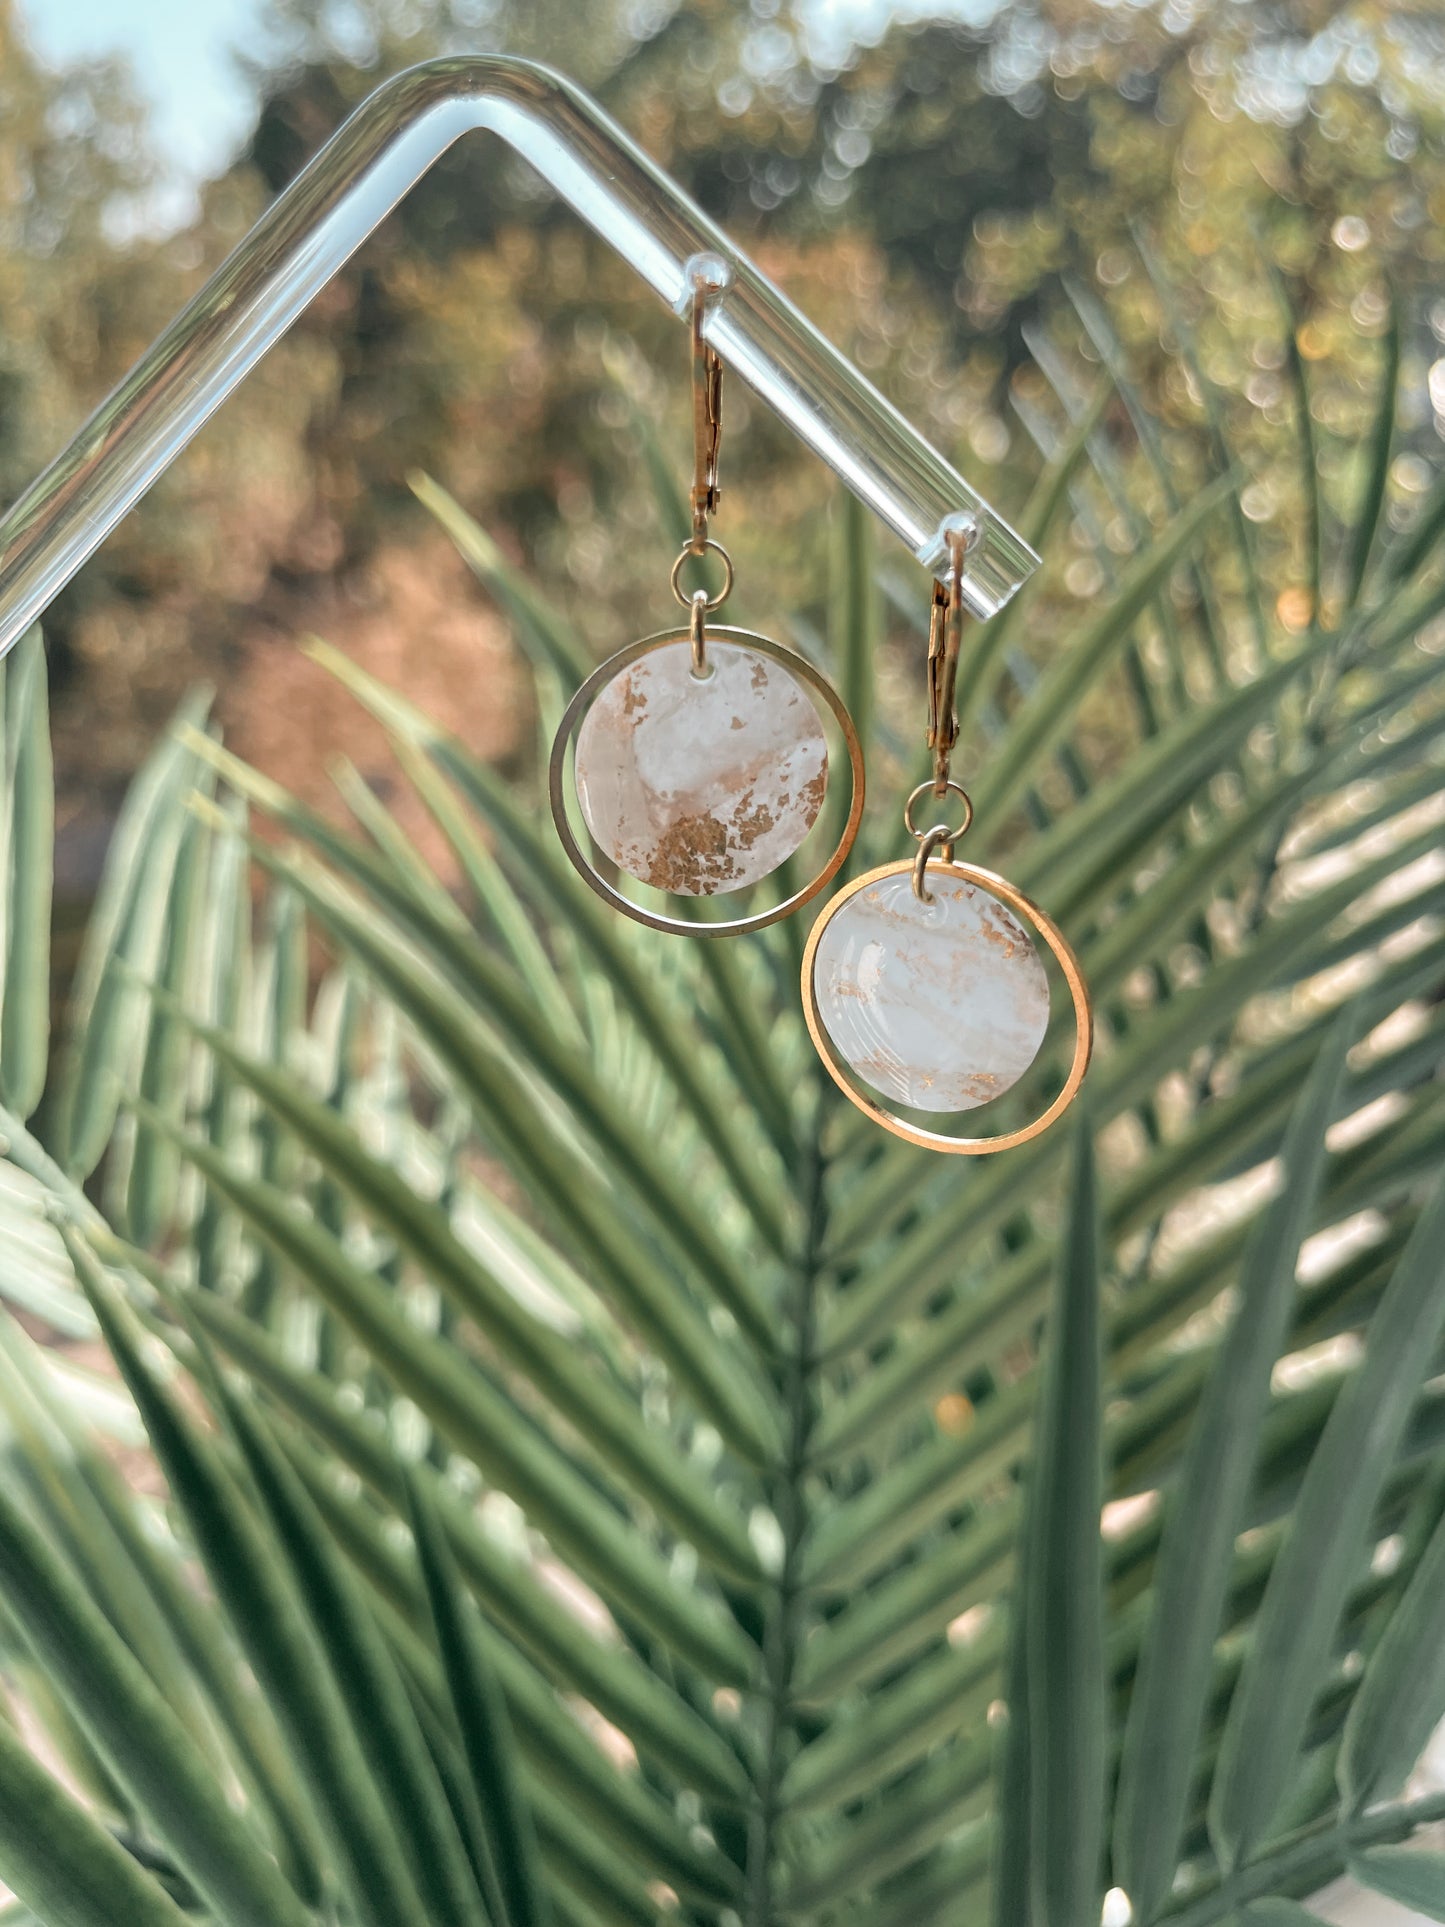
[
  {"x": 945, "y": 633},
  {"x": 937, "y": 731},
  {"x": 707, "y": 381}
]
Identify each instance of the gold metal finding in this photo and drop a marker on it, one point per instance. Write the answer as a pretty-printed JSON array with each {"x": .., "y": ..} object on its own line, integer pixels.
[
  {"x": 938, "y": 839},
  {"x": 873, "y": 1106},
  {"x": 828, "y": 701},
  {"x": 686, "y": 553},
  {"x": 945, "y": 634},
  {"x": 707, "y": 383},
  {"x": 707, "y": 379},
  {"x": 925, "y": 788}
]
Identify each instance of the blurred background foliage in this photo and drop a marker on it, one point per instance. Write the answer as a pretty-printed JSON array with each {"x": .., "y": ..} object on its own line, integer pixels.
[{"x": 947, "y": 198}]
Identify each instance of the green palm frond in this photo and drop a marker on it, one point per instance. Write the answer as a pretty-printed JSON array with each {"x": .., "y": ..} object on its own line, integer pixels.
[{"x": 604, "y": 1480}]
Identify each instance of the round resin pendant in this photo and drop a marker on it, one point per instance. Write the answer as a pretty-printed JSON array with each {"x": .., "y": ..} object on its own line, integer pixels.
[
  {"x": 938, "y": 1005},
  {"x": 700, "y": 785}
]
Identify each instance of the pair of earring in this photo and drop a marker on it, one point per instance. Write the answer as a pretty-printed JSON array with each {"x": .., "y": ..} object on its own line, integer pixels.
[{"x": 699, "y": 763}]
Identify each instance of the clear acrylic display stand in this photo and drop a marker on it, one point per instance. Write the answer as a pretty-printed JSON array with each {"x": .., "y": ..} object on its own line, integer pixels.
[{"x": 328, "y": 211}]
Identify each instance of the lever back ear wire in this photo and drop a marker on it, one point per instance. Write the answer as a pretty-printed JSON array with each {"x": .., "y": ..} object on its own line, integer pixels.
[
  {"x": 707, "y": 399},
  {"x": 706, "y": 493},
  {"x": 945, "y": 634}
]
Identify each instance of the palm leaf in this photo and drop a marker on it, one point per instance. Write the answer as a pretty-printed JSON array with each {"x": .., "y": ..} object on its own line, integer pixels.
[
  {"x": 1064, "y": 1630},
  {"x": 502, "y": 1836},
  {"x": 283, "y": 1642},
  {"x": 377, "y": 1707},
  {"x": 1172, "y": 1685},
  {"x": 137, "y": 1733},
  {"x": 27, "y": 815},
  {"x": 63, "y": 1863},
  {"x": 1402, "y": 1698},
  {"x": 537, "y": 1351},
  {"x": 1407, "y": 1876},
  {"x": 1326, "y": 1547}
]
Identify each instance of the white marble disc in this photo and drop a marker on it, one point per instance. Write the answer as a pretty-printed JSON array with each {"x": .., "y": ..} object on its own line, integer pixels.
[
  {"x": 697, "y": 785},
  {"x": 939, "y": 1005}
]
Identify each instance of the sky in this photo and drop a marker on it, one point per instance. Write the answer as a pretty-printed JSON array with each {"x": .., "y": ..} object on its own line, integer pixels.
[{"x": 181, "y": 53}]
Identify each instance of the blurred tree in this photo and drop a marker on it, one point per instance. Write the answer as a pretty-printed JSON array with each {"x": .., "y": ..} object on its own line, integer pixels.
[
  {"x": 83, "y": 289},
  {"x": 934, "y": 198},
  {"x": 967, "y": 167},
  {"x": 72, "y": 158}
]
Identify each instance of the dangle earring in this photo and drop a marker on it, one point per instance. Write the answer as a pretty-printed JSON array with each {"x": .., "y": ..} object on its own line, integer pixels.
[
  {"x": 922, "y": 985},
  {"x": 699, "y": 759}
]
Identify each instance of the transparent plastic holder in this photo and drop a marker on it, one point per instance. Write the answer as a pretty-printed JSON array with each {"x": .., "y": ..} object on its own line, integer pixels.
[{"x": 320, "y": 220}]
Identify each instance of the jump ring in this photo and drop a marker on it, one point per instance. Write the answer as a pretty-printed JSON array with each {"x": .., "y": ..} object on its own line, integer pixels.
[
  {"x": 688, "y": 549},
  {"x": 928, "y": 787},
  {"x": 697, "y": 631},
  {"x": 940, "y": 837}
]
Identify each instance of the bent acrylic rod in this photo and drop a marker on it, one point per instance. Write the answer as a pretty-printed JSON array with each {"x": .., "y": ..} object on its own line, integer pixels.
[{"x": 328, "y": 211}]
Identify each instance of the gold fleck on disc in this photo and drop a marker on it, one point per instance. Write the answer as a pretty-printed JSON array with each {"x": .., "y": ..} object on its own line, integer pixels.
[{"x": 700, "y": 785}]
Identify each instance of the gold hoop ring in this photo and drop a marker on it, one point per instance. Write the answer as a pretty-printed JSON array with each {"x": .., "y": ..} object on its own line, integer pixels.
[
  {"x": 873, "y": 1106},
  {"x": 931, "y": 789},
  {"x": 689, "y": 548},
  {"x": 796, "y": 665}
]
